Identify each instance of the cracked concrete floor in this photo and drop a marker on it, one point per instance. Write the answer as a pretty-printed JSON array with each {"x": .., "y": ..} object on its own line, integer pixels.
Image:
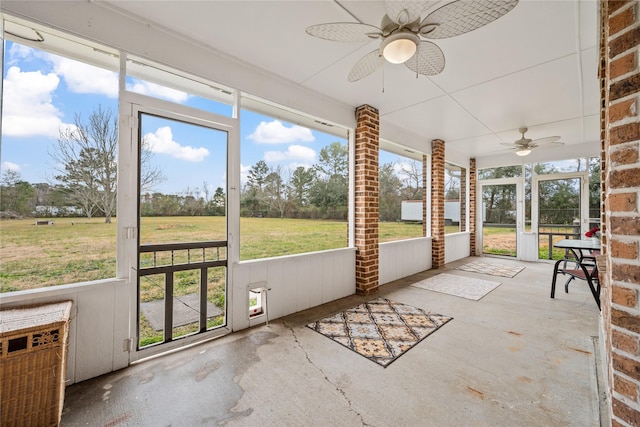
[{"x": 515, "y": 358}]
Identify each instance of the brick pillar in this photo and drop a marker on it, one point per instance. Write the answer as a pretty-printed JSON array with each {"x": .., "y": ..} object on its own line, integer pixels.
[
  {"x": 366, "y": 199},
  {"x": 425, "y": 170},
  {"x": 473, "y": 182},
  {"x": 619, "y": 51},
  {"x": 437, "y": 203}
]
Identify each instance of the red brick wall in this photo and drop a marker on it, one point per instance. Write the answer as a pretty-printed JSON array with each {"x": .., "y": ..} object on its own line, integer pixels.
[
  {"x": 473, "y": 181},
  {"x": 367, "y": 140},
  {"x": 621, "y": 191},
  {"x": 437, "y": 203}
]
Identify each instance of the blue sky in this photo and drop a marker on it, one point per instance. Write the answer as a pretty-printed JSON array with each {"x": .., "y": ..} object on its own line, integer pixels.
[{"x": 43, "y": 92}]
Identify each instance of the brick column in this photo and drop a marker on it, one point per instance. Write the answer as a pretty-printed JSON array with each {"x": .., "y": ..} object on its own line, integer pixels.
[
  {"x": 473, "y": 182},
  {"x": 366, "y": 199},
  {"x": 437, "y": 203},
  {"x": 621, "y": 195}
]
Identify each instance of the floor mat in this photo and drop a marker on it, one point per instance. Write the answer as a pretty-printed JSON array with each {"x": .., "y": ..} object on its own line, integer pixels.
[
  {"x": 460, "y": 286},
  {"x": 380, "y": 330},
  {"x": 492, "y": 269}
]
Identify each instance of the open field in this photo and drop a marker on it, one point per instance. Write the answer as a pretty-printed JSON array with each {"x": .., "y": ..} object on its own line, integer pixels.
[{"x": 78, "y": 249}]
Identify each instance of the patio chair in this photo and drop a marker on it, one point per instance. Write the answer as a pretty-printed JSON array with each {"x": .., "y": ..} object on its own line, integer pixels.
[{"x": 576, "y": 269}]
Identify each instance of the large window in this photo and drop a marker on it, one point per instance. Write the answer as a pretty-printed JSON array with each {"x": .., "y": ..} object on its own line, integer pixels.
[
  {"x": 294, "y": 196},
  {"x": 58, "y": 171},
  {"x": 455, "y": 198},
  {"x": 401, "y": 190},
  {"x": 58, "y": 177}
]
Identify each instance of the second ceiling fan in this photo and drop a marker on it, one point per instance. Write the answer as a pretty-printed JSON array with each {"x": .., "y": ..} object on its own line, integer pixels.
[
  {"x": 523, "y": 146},
  {"x": 402, "y": 32}
]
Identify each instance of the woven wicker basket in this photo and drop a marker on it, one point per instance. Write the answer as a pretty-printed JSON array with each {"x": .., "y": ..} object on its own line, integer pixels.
[{"x": 33, "y": 353}]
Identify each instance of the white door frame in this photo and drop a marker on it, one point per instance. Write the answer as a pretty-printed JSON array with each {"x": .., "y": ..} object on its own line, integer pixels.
[
  {"x": 135, "y": 104},
  {"x": 584, "y": 199},
  {"x": 519, "y": 183}
]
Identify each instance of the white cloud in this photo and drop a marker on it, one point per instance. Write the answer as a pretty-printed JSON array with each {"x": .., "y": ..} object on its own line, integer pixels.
[
  {"x": 162, "y": 142},
  {"x": 18, "y": 52},
  {"x": 244, "y": 174},
  {"x": 9, "y": 166},
  {"x": 295, "y": 153},
  {"x": 275, "y": 132},
  {"x": 28, "y": 106},
  {"x": 152, "y": 89},
  {"x": 85, "y": 78}
]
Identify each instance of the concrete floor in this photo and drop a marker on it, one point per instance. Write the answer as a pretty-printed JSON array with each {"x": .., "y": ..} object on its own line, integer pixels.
[{"x": 516, "y": 358}]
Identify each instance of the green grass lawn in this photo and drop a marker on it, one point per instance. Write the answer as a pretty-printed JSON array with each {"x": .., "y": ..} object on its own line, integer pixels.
[{"x": 78, "y": 249}]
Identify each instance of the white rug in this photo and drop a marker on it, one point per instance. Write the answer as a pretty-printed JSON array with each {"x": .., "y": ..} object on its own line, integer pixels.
[
  {"x": 460, "y": 286},
  {"x": 491, "y": 269}
]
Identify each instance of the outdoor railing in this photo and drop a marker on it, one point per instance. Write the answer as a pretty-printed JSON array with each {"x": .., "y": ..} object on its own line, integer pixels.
[
  {"x": 171, "y": 258},
  {"x": 549, "y": 231}
]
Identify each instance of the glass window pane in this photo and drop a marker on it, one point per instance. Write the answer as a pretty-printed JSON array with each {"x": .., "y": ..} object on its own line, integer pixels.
[
  {"x": 400, "y": 197},
  {"x": 58, "y": 173},
  {"x": 455, "y": 198},
  {"x": 294, "y": 188}
]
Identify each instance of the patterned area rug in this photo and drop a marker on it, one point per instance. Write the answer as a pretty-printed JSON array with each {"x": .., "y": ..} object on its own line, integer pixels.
[
  {"x": 380, "y": 330},
  {"x": 492, "y": 269},
  {"x": 460, "y": 286}
]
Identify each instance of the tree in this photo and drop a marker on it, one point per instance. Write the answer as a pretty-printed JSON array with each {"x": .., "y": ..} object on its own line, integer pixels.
[
  {"x": 300, "y": 185},
  {"x": 216, "y": 205},
  {"x": 275, "y": 191},
  {"x": 333, "y": 160},
  {"x": 150, "y": 174},
  {"x": 87, "y": 155},
  {"x": 411, "y": 175},
  {"x": 330, "y": 190},
  {"x": 257, "y": 175},
  {"x": 390, "y": 188},
  {"x": 252, "y": 196},
  {"x": 18, "y": 196}
]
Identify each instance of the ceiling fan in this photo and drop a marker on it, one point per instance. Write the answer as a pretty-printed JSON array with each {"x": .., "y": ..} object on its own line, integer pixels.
[
  {"x": 402, "y": 32},
  {"x": 523, "y": 146}
]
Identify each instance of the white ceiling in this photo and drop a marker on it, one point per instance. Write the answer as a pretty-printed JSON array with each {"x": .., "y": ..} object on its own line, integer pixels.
[{"x": 535, "y": 66}]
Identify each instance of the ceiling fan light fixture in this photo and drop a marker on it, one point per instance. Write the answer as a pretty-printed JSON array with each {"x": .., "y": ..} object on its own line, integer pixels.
[
  {"x": 400, "y": 47},
  {"x": 523, "y": 152}
]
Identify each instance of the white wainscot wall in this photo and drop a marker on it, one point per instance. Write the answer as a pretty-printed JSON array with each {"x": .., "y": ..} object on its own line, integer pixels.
[
  {"x": 99, "y": 324},
  {"x": 456, "y": 246},
  {"x": 403, "y": 258},
  {"x": 295, "y": 283}
]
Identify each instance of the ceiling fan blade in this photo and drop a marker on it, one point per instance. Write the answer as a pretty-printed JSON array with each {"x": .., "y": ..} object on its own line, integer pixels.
[
  {"x": 547, "y": 140},
  {"x": 404, "y": 12},
  {"x": 366, "y": 65},
  {"x": 345, "y": 32},
  {"x": 548, "y": 145},
  {"x": 428, "y": 60},
  {"x": 462, "y": 16}
]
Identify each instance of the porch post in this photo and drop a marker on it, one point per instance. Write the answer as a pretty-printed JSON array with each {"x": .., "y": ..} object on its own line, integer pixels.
[
  {"x": 437, "y": 203},
  {"x": 366, "y": 199},
  {"x": 473, "y": 182}
]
